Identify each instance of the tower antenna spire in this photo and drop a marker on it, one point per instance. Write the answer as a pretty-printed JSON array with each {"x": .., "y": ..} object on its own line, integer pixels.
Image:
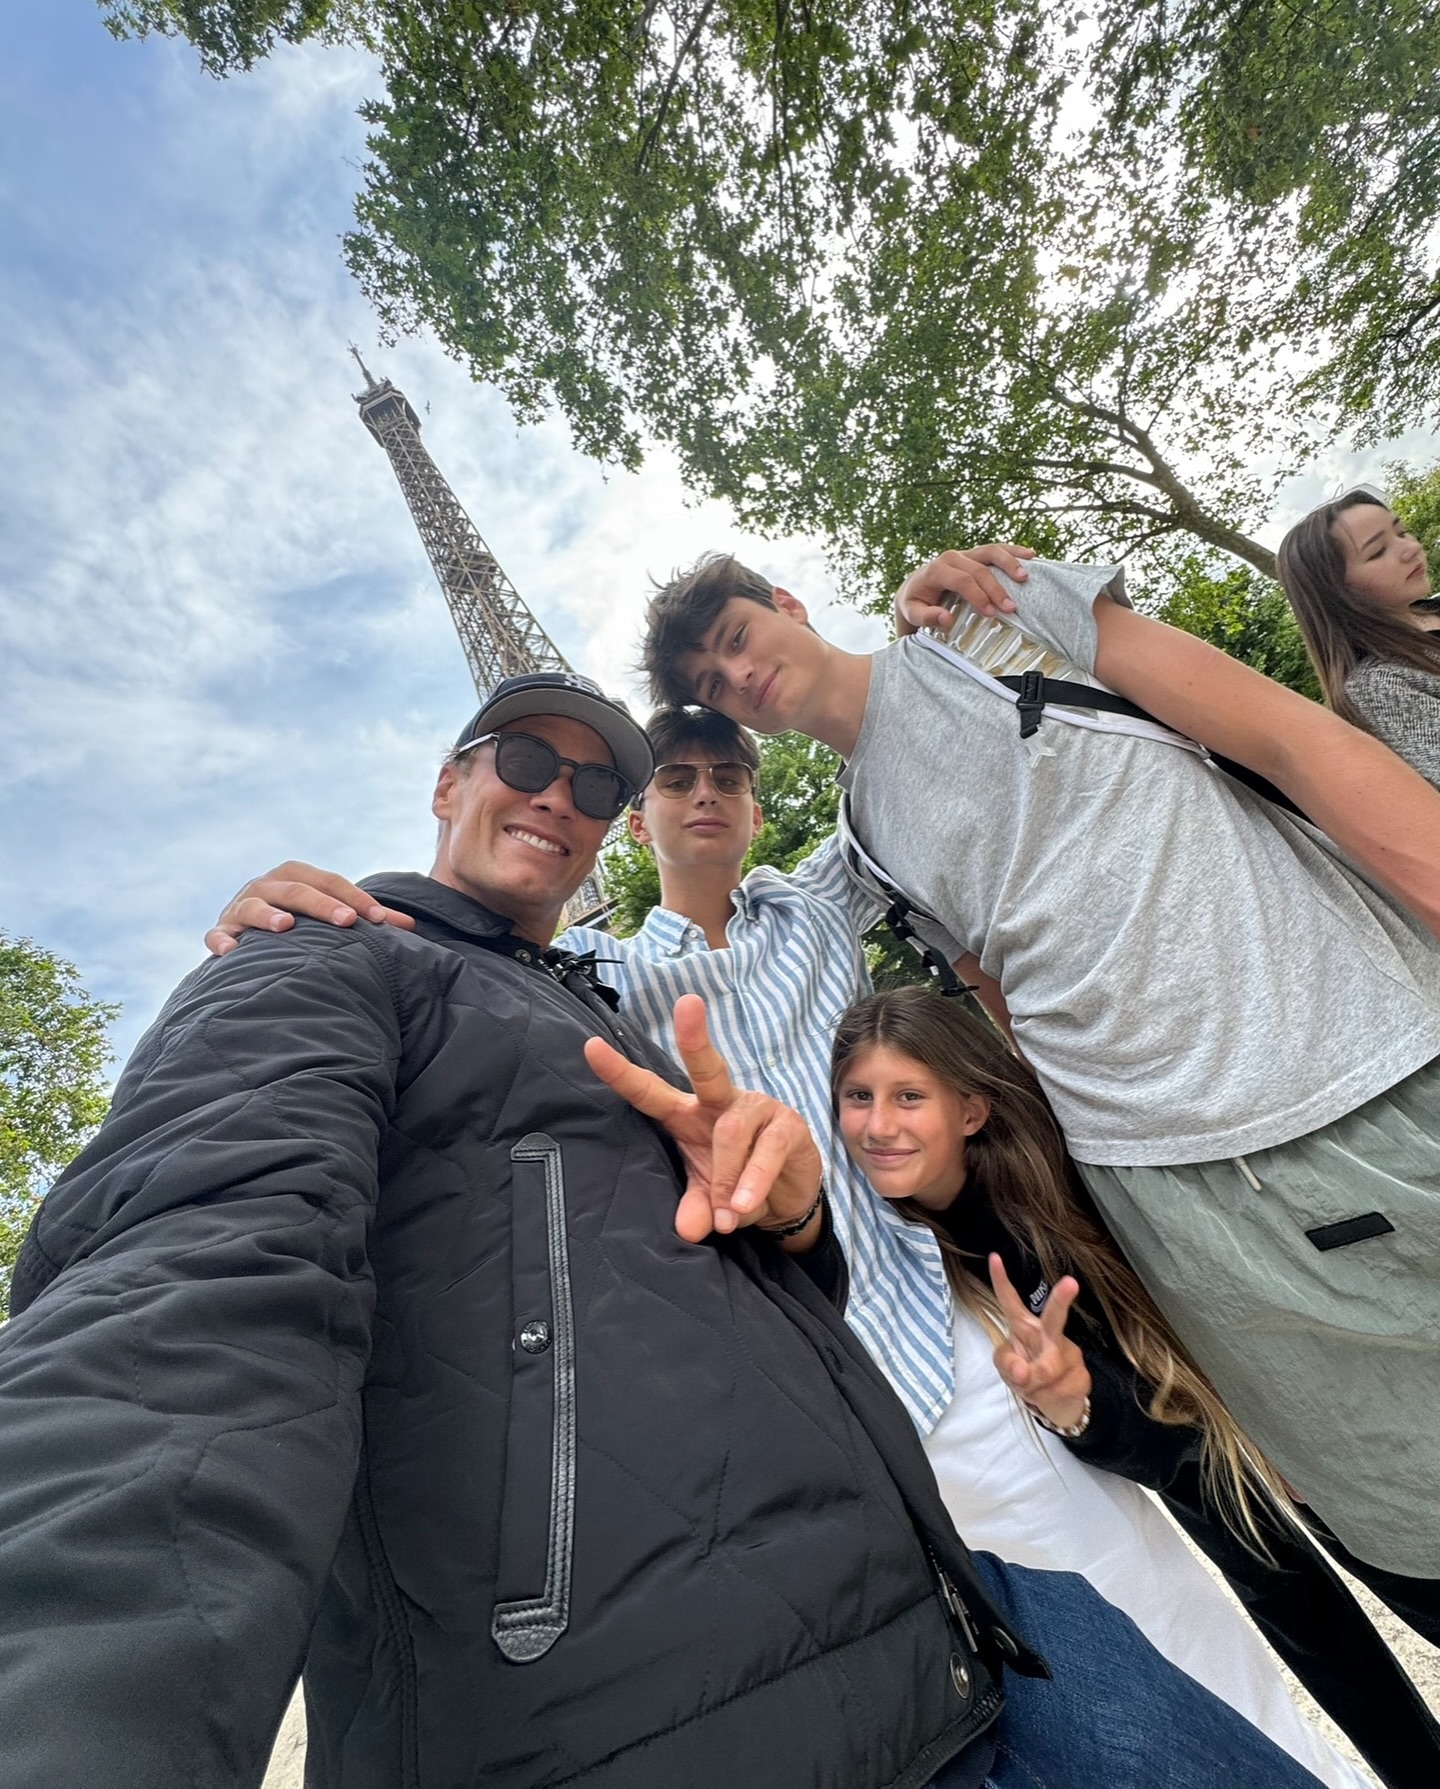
[
  {"x": 499, "y": 635},
  {"x": 369, "y": 380}
]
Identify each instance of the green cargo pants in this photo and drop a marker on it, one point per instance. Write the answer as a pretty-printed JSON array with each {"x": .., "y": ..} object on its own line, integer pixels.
[{"x": 1314, "y": 1306}]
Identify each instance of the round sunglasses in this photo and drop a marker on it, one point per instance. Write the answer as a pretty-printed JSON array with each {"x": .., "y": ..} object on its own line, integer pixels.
[
  {"x": 676, "y": 780},
  {"x": 529, "y": 764}
]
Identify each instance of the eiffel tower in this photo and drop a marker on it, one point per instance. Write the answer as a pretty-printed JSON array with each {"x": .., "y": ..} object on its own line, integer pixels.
[{"x": 499, "y": 635}]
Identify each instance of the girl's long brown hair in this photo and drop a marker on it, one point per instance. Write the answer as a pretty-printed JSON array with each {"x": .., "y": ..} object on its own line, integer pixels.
[
  {"x": 1341, "y": 629},
  {"x": 1018, "y": 1161}
]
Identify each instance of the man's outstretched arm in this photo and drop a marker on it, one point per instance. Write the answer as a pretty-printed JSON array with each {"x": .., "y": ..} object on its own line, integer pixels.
[
  {"x": 1377, "y": 809},
  {"x": 179, "y": 1386}
]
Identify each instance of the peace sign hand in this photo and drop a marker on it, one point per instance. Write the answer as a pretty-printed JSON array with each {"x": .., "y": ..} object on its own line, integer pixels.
[
  {"x": 1037, "y": 1360},
  {"x": 750, "y": 1159}
]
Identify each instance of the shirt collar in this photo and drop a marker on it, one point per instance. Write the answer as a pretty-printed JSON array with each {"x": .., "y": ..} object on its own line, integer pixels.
[
  {"x": 677, "y": 936},
  {"x": 672, "y": 932}
]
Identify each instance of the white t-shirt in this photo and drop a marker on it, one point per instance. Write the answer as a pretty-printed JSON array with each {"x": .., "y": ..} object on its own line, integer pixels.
[
  {"x": 1018, "y": 1492},
  {"x": 1193, "y": 973}
]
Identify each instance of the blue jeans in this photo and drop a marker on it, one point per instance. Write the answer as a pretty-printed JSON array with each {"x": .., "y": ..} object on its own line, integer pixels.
[{"x": 1117, "y": 1715}]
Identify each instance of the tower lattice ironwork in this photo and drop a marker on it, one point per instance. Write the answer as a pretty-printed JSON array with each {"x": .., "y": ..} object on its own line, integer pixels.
[{"x": 498, "y": 633}]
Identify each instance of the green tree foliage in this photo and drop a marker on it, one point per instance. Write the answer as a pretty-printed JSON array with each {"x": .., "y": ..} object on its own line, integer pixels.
[
  {"x": 1316, "y": 127},
  {"x": 1415, "y": 495},
  {"x": 799, "y": 796},
  {"x": 1243, "y": 614},
  {"x": 632, "y": 882},
  {"x": 837, "y": 259},
  {"x": 868, "y": 269},
  {"x": 236, "y": 34},
  {"x": 53, "y": 1057}
]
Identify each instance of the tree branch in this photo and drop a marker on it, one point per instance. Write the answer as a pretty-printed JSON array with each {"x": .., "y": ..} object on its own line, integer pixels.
[
  {"x": 1187, "y": 510},
  {"x": 691, "y": 37}
]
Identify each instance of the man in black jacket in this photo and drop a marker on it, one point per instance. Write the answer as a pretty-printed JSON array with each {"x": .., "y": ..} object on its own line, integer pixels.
[{"x": 372, "y": 1333}]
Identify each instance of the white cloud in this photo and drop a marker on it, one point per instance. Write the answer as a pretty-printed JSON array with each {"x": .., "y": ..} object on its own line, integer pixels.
[
  {"x": 1339, "y": 466},
  {"x": 222, "y": 644}
]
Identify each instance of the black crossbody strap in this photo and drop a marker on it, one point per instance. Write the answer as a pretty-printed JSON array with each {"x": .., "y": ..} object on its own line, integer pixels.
[{"x": 1034, "y": 693}]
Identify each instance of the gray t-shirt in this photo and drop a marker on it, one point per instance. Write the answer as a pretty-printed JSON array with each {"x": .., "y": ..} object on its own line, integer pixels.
[{"x": 1192, "y": 973}]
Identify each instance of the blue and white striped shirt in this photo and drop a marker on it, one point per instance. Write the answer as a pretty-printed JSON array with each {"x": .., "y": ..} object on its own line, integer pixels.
[{"x": 773, "y": 1000}]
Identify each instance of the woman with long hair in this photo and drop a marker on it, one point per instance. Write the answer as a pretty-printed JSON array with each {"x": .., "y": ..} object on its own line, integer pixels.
[
  {"x": 953, "y": 1129},
  {"x": 1359, "y": 584}
]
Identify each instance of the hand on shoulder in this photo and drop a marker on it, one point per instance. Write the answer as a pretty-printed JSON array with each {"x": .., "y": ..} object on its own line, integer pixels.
[
  {"x": 928, "y": 596},
  {"x": 270, "y": 903}
]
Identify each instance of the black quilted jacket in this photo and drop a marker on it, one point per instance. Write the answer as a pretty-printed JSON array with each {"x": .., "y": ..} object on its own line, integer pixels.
[{"x": 361, "y": 1337}]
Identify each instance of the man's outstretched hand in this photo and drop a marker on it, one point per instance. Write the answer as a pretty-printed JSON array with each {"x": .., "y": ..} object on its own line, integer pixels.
[
  {"x": 931, "y": 596},
  {"x": 270, "y": 902},
  {"x": 750, "y": 1159}
]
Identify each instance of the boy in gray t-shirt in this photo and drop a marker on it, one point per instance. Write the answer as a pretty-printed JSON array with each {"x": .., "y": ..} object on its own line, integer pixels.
[{"x": 1234, "y": 1025}]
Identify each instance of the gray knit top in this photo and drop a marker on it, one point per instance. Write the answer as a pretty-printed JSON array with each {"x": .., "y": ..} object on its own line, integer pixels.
[{"x": 1402, "y": 707}]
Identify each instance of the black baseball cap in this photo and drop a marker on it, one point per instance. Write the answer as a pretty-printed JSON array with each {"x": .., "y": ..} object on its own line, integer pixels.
[{"x": 567, "y": 693}]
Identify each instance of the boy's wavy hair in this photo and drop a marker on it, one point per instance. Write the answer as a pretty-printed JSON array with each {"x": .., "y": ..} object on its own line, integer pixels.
[
  {"x": 1017, "y": 1161},
  {"x": 681, "y": 615},
  {"x": 1341, "y": 629}
]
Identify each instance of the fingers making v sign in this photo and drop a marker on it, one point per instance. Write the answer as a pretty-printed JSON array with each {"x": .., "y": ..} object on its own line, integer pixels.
[
  {"x": 1037, "y": 1360},
  {"x": 750, "y": 1160}
]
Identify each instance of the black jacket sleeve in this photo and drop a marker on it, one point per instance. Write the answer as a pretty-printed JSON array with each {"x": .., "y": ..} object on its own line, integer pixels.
[
  {"x": 825, "y": 1265},
  {"x": 179, "y": 1386},
  {"x": 1122, "y": 1437}
]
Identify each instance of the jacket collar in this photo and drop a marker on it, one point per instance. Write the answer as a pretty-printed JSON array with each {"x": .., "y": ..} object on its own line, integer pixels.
[
  {"x": 424, "y": 898},
  {"x": 457, "y": 914}
]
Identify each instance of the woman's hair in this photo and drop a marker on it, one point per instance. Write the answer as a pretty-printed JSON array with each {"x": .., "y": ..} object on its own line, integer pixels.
[
  {"x": 1018, "y": 1161},
  {"x": 1340, "y": 628}
]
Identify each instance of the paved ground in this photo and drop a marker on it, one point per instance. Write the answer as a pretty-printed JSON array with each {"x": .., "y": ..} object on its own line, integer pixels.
[
  {"x": 287, "y": 1765},
  {"x": 287, "y": 1761}
]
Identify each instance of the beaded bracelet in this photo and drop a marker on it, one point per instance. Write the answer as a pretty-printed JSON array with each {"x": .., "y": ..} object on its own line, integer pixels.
[
  {"x": 799, "y": 1223},
  {"x": 1075, "y": 1430}
]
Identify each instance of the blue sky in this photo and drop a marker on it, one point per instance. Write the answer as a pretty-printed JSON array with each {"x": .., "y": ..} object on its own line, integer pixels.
[{"x": 220, "y": 642}]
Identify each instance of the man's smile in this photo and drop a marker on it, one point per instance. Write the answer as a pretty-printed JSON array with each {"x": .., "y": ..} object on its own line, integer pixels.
[{"x": 551, "y": 847}]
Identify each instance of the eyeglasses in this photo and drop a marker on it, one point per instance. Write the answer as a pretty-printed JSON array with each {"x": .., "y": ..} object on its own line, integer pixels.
[
  {"x": 677, "y": 780},
  {"x": 529, "y": 764}
]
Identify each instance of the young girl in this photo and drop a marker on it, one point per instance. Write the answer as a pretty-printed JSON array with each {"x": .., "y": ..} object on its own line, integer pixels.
[
  {"x": 1358, "y": 583},
  {"x": 953, "y": 1128}
]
